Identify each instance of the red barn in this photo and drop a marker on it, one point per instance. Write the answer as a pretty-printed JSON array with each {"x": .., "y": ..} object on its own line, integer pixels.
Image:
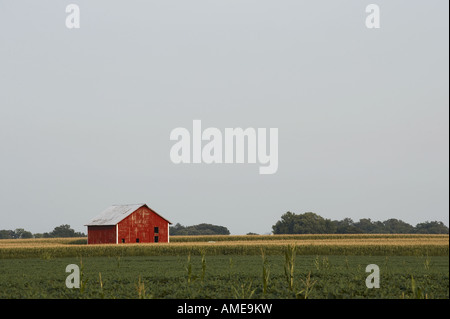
[{"x": 136, "y": 223}]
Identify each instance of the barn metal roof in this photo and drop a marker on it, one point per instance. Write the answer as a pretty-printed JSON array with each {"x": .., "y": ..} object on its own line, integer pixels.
[{"x": 114, "y": 214}]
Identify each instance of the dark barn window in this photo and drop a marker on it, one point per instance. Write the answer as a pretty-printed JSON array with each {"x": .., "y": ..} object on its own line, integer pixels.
[
  {"x": 156, "y": 230},
  {"x": 137, "y": 240},
  {"x": 156, "y": 239},
  {"x": 123, "y": 240}
]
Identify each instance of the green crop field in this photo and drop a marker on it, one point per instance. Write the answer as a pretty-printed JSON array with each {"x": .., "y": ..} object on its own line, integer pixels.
[
  {"x": 224, "y": 277},
  {"x": 283, "y": 267}
]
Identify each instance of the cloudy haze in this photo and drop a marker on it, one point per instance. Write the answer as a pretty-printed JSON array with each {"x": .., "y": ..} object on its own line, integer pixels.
[{"x": 86, "y": 114}]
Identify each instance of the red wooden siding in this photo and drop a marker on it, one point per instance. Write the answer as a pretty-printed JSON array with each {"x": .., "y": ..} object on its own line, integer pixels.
[
  {"x": 101, "y": 234},
  {"x": 141, "y": 225}
]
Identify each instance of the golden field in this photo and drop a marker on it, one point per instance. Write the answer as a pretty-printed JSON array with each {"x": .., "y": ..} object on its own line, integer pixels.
[{"x": 360, "y": 244}]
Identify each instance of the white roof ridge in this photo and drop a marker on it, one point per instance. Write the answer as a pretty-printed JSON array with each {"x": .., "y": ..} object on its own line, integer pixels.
[{"x": 114, "y": 214}]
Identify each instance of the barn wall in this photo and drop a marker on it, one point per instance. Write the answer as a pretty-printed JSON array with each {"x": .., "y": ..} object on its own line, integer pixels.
[
  {"x": 140, "y": 224},
  {"x": 101, "y": 234}
]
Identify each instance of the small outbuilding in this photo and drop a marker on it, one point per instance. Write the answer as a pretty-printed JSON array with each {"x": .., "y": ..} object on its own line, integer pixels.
[{"x": 121, "y": 224}]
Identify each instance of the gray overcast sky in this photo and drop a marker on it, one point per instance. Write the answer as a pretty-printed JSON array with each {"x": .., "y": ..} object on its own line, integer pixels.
[{"x": 85, "y": 114}]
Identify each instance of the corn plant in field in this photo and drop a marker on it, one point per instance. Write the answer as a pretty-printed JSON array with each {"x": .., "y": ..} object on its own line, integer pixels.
[
  {"x": 326, "y": 263},
  {"x": 230, "y": 268},
  {"x": 417, "y": 292},
  {"x": 347, "y": 266},
  {"x": 427, "y": 262},
  {"x": 102, "y": 293},
  {"x": 140, "y": 286},
  {"x": 265, "y": 271},
  {"x": 118, "y": 262},
  {"x": 289, "y": 261},
  {"x": 243, "y": 291},
  {"x": 83, "y": 281},
  {"x": 189, "y": 269},
  {"x": 316, "y": 262},
  {"x": 203, "y": 252},
  {"x": 307, "y": 287}
]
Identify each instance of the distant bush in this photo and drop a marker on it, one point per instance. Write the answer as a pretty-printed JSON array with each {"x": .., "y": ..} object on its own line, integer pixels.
[{"x": 200, "y": 229}]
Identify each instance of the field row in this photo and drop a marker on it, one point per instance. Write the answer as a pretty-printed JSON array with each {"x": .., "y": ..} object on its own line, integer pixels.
[
  {"x": 301, "y": 238},
  {"x": 46, "y": 249}
]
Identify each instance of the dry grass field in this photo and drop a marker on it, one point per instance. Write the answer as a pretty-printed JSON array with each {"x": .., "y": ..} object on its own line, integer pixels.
[{"x": 363, "y": 244}]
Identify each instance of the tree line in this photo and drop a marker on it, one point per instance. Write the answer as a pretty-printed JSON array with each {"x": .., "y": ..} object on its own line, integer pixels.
[
  {"x": 200, "y": 229},
  {"x": 290, "y": 223},
  {"x": 59, "y": 231},
  {"x": 66, "y": 231},
  {"x": 311, "y": 223}
]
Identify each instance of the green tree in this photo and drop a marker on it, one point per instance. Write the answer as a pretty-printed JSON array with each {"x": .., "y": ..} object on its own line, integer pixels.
[
  {"x": 395, "y": 226},
  {"x": 22, "y": 233},
  {"x": 307, "y": 223},
  {"x": 346, "y": 226},
  {"x": 15, "y": 234},
  {"x": 63, "y": 231},
  {"x": 433, "y": 227},
  {"x": 6, "y": 234},
  {"x": 366, "y": 226}
]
